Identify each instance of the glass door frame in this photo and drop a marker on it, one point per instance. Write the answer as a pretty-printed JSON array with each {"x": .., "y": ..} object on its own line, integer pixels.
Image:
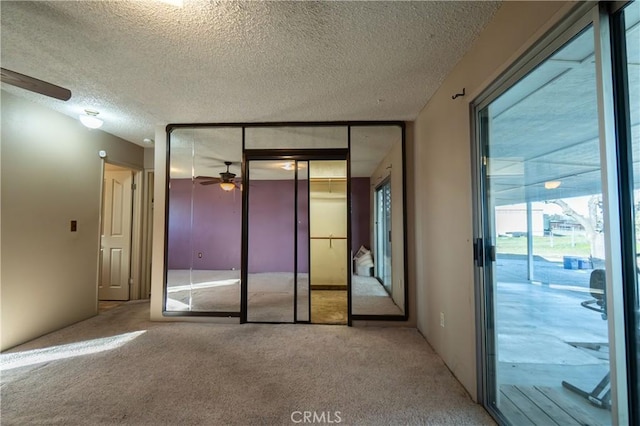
[
  {"x": 579, "y": 18},
  {"x": 289, "y": 155},
  {"x": 627, "y": 187},
  {"x": 383, "y": 239}
]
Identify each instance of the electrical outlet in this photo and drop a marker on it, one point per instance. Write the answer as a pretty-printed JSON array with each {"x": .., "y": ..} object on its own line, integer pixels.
[{"x": 441, "y": 319}]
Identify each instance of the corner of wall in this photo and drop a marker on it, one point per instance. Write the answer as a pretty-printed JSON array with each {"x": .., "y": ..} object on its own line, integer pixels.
[
  {"x": 443, "y": 205},
  {"x": 159, "y": 197},
  {"x": 49, "y": 272},
  {"x": 149, "y": 159}
]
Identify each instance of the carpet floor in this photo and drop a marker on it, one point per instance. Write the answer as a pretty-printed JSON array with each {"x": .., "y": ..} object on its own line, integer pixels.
[
  {"x": 270, "y": 294},
  {"x": 120, "y": 368}
]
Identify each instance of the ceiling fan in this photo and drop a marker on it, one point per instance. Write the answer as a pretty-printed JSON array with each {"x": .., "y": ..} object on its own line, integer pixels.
[
  {"x": 34, "y": 85},
  {"x": 226, "y": 180}
]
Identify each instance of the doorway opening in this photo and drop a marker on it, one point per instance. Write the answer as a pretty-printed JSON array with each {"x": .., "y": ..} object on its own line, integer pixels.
[
  {"x": 119, "y": 247},
  {"x": 297, "y": 260},
  {"x": 555, "y": 250}
]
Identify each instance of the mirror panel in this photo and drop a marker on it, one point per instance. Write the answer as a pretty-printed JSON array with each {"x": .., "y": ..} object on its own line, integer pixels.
[
  {"x": 296, "y": 137},
  {"x": 205, "y": 221},
  {"x": 377, "y": 209},
  {"x": 204, "y": 230},
  {"x": 328, "y": 229},
  {"x": 271, "y": 245},
  {"x": 303, "y": 311}
]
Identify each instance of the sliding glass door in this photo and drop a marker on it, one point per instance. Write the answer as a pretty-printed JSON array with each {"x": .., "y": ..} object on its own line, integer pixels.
[
  {"x": 626, "y": 33},
  {"x": 382, "y": 235},
  {"x": 557, "y": 245},
  {"x": 546, "y": 279}
]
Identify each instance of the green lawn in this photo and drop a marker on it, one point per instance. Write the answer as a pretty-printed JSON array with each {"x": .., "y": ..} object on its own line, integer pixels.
[{"x": 542, "y": 246}]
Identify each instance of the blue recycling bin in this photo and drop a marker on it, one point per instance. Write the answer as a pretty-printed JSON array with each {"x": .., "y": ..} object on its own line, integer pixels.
[
  {"x": 571, "y": 262},
  {"x": 584, "y": 263}
]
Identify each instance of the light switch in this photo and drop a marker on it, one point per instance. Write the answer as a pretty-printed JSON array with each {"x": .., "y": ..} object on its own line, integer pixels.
[{"x": 74, "y": 225}]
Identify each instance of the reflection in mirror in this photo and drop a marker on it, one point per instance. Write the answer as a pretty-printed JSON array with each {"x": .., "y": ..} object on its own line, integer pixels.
[
  {"x": 303, "y": 308},
  {"x": 377, "y": 231},
  {"x": 204, "y": 220},
  {"x": 271, "y": 242},
  {"x": 204, "y": 235},
  {"x": 328, "y": 241},
  {"x": 298, "y": 137}
]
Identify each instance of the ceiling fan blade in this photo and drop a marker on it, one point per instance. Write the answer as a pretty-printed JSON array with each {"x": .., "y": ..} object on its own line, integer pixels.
[
  {"x": 207, "y": 180},
  {"x": 34, "y": 85},
  {"x": 221, "y": 160}
]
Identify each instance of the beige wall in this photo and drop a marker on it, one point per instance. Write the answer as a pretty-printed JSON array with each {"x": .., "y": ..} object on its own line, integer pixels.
[
  {"x": 148, "y": 158},
  {"x": 443, "y": 194},
  {"x": 51, "y": 174}
]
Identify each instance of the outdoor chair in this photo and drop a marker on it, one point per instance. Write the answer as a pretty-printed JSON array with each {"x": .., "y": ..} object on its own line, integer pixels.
[
  {"x": 600, "y": 396},
  {"x": 598, "y": 292}
]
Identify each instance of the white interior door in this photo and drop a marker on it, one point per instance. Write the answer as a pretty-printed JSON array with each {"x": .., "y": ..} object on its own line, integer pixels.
[{"x": 115, "y": 262}]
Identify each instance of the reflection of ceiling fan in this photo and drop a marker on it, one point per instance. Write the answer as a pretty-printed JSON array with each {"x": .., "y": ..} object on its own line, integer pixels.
[
  {"x": 226, "y": 180},
  {"x": 34, "y": 85}
]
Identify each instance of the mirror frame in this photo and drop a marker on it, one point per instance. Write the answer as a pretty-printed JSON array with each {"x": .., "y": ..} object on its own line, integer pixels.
[
  {"x": 405, "y": 265},
  {"x": 349, "y": 126}
]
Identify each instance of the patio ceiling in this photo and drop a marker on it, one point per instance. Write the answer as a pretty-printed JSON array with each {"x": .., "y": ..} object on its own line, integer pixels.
[{"x": 545, "y": 128}]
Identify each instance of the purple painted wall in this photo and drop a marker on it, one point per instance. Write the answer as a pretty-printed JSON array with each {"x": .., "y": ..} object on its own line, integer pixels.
[
  {"x": 360, "y": 213},
  {"x": 217, "y": 221},
  {"x": 271, "y": 226}
]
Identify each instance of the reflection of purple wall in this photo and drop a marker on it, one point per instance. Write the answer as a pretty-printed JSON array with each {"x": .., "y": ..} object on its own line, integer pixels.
[
  {"x": 217, "y": 224},
  {"x": 303, "y": 226},
  {"x": 179, "y": 234},
  {"x": 271, "y": 226},
  {"x": 360, "y": 213}
]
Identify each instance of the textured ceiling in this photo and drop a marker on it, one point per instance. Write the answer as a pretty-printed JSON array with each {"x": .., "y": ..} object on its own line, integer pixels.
[{"x": 145, "y": 63}]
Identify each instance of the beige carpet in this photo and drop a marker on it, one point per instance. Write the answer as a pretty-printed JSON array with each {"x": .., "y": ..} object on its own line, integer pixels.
[
  {"x": 119, "y": 368},
  {"x": 370, "y": 298},
  {"x": 270, "y": 294}
]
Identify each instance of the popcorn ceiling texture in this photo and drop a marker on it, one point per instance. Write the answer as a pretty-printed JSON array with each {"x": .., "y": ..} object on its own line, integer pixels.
[{"x": 145, "y": 63}]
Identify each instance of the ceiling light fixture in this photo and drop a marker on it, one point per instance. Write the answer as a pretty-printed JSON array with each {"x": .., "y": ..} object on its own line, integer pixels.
[
  {"x": 227, "y": 186},
  {"x": 552, "y": 184},
  {"x": 89, "y": 119},
  {"x": 227, "y": 179},
  {"x": 148, "y": 141}
]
